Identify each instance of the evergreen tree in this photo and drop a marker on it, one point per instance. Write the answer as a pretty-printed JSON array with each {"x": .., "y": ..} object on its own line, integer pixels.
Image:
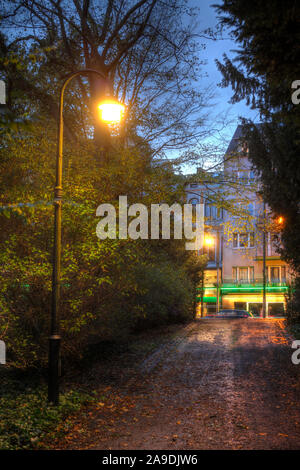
[{"x": 262, "y": 71}]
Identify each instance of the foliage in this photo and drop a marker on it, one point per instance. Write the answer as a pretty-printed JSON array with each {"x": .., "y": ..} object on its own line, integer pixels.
[
  {"x": 166, "y": 291},
  {"x": 267, "y": 61},
  {"x": 293, "y": 305},
  {"x": 262, "y": 72},
  {"x": 109, "y": 287},
  {"x": 25, "y": 416},
  {"x": 150, "y": 50},
  {"x": 274, "y": 150}
]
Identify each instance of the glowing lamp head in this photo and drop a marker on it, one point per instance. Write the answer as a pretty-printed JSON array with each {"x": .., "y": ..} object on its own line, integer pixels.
[
  {"x": 111, "y": 111},
  {"x": 209, "y": 241},
  {"x": 280, "y": 220}
]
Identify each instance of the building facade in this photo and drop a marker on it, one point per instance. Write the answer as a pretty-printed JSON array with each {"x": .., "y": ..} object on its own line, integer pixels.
[{"x": 243, "y": 239}]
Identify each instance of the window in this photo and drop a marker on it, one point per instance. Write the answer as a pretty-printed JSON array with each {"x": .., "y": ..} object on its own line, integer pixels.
[
  {"x": 243, "y": 274},
  {"x": 219, "y": 213},
  {"x": 251, "y": 176},
  {"x": 251, "y": 239},
  {"x": 235, "y": 240},
  {"x": 276, "y": 309},
  {"x": 243, "y": 240},
  {"x": 243, "y": 177},
  {"x": 211, "y": 211},
  {"x": 255, "y": 309},
  {"x": 208, "y": 208},
  {"x": 277, "y": 274},
  {"x": 250, "y": 209},
  {"x": 240, "y": 305},
  {"x": 194, "y": 201}
]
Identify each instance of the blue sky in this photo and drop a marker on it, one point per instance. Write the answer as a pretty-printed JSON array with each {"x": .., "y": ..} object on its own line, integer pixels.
[{"x": 214, "y": 50}]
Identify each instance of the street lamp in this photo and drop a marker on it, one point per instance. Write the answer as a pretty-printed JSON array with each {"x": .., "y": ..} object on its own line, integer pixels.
[
  {"x": 209, "y": 241},
  {"x": 280, "y": 220},
  {"x": 111, "y": 111}
]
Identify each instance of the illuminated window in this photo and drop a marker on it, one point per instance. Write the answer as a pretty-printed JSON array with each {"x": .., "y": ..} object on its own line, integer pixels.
[
  {"x": 276, "y": 274},
  {"x": 243, "y": 240},
  {"x": 243, "y": 274},
  {"x": 235, "y": 240}
]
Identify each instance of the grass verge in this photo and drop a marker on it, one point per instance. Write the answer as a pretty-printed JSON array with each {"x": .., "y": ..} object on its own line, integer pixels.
[
  {"x": 28, "y": 422},
  {"x": 25, "y": 415}
]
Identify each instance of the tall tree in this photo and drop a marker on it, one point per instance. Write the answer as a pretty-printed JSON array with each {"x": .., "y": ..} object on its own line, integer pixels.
[
  {"x": 149, "y": 49},
  {"x": 262, "y": 71}
]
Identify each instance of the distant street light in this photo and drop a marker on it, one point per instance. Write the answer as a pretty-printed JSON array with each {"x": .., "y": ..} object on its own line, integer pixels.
[
  {"x": 280, "y": 220},
  {"x": 210, "y": 241},
  {"x": 111, "y": 111}
]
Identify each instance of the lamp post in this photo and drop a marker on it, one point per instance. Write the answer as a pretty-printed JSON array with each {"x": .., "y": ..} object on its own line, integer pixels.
[
  {"x": 111, "y": 112},
  {"x": 208, "y": 242},
  {"x": 218, "y": 269},
  {"x": 264, "y": 309}
]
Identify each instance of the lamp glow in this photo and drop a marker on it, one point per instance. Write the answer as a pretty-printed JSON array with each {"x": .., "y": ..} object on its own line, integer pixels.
[
  {"x": 209, "y": 241},
  {"x": 111, "y": 111}
]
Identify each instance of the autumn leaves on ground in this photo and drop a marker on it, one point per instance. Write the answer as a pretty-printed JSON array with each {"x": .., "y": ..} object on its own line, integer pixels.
[{"x": 213, "y": 384}]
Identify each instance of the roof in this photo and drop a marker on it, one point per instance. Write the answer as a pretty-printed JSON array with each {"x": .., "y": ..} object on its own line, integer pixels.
[{"x": 235, "y": 140}]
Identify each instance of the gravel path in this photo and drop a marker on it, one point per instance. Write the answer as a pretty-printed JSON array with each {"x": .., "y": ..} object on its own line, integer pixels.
[{"x": 223, "y": 384}]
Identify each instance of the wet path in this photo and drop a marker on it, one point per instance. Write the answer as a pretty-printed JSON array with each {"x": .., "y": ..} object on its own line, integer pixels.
[{"x": 224, "y": 384}]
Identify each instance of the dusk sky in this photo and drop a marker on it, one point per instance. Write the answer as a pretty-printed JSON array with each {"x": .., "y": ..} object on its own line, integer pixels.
[{"x": 215, "y": 50}]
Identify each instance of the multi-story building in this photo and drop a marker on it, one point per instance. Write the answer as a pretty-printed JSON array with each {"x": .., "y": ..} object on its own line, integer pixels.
[{"x": 242, "y": 235}]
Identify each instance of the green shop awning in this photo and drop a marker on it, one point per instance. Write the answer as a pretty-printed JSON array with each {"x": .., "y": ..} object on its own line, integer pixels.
[
  {"x": 207, "y": 299},
  {"x": 252, "y": 289}
]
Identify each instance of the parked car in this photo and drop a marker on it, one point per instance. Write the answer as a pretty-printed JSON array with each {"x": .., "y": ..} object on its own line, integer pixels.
[{"x": 231, "y": 313}]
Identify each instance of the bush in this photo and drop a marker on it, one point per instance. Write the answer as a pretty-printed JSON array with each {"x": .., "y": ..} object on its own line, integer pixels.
[
  {"x": 25, "y": 415},
  {"x": 109, "y": 288},
  {"x": 166, "y": 296},
  {"x": 293, "y": 303}
]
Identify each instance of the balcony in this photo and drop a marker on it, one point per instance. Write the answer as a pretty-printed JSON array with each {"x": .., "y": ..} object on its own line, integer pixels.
[
  {"x": 253, "y": 285},
  {"x": 253, "y": 282}
]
